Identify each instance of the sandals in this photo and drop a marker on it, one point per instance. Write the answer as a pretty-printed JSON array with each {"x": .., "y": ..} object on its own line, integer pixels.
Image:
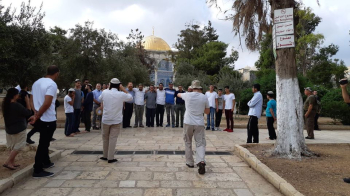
[{"x": 8, "y": 167}]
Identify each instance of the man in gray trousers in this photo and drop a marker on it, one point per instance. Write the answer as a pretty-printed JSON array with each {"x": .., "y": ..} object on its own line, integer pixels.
[
  {"x": 139, "y": 105},
  {"x": 196, "y": 104}
]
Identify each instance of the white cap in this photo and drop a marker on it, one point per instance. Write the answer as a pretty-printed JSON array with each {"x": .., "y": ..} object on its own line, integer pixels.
[
  {"x": 71, "y": 90},
  {"x": 115, "y": 81}
]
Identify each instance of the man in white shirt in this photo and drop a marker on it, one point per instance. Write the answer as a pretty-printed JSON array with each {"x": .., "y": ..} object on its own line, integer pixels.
[
  {"x": 212, "y": 98},
  {"x": 112, "y": 103},
  {"x": 139, "y": 105},
  {"x": 160, "y": 105},
  {"x": 196, "y": 104},
  {"x": 255, "y": 109},
  {"x": 44, "y": 93},
  {"x": 229, "y": 106},
  {"x": 69, "y": 111}
]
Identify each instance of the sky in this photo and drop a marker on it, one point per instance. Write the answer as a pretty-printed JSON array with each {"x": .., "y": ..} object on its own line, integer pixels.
[{"x": 169, "y": 17}]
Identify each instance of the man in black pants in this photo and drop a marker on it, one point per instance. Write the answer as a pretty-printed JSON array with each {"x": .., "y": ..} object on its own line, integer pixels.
[
  {"x": 160, "y": 105},
  {"x": 128, "y": 107},
  {"x": 346, "y": 98},
  {"x": 255, "y": 108},
  {"x": 44, "y": 94}
]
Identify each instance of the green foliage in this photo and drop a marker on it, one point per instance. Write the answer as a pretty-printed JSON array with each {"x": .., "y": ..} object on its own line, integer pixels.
[
  {"x": 334, "y": 106},
  {"x": 232, "y": 78},
  {"x": 266, "y": 59},
  {"x": 245, "y": 96}
]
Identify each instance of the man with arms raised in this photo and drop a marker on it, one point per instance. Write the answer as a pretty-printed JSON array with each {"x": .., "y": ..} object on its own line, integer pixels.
[
  {"x": 112, "y": 103},
  {"x": 44, "y": 93},
  {"x": 196, "y": 104}
]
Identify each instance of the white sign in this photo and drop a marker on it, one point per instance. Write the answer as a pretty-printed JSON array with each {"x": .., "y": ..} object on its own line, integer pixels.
[
  {"x": 285, "y": 41},
  {"x": 285, "y": 28},
  {"x": 283, "y": 15}
]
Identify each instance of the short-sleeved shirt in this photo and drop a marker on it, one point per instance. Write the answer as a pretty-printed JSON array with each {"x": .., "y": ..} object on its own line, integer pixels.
[
  {"x": 179, "y": 101},
  {"x": 228, "y": 101},
  {"x": 151, "y": 98},
  {"x": 211, "y": 98},
  {"x": 195, "y": 104},
  {"x": 41, "y": 88},
  {"x": 139, "y": 98},
  {"x": 16, "y": 119},
  {"x": 160, "y": 97},
  {"x": 68, "y": 108},
  {"x": 97, "y": 94},
  {"x": 113, "y": 101},
  {"x": 310, "y": 100},
  {"x": 170, "y": 96},
  {"x": 79, "y": 95},
  {"x": 271, "y": 105},
  {"x": 220, "y": 102},
  {"x": 132, "y": 93}
]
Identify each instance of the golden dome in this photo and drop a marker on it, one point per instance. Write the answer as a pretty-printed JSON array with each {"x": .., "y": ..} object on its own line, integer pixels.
[{"x": 155, "y": 43}]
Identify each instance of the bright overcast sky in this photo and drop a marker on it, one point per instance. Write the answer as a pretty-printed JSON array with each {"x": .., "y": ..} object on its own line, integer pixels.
[{"x": 169, "y": 17}]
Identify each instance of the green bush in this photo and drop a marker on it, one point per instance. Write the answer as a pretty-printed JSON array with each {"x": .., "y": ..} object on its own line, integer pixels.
[
  {"x": 334, "y": 106},
  {"x": 245, "y": 96}
]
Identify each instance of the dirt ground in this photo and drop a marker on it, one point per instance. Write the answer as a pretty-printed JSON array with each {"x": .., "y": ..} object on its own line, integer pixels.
[
  {"x": 24, "y": 158},
  {"x": 316, "y": 176}
]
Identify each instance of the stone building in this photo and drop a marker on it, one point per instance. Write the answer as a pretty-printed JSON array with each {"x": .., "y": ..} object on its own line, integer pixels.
[{"x": 248, "y": 73}]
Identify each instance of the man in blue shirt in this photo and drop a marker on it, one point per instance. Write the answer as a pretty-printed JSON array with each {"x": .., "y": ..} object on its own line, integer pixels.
[
  {"x": 128, "y": 107},
  {"x": 180, "y": 107},
  {"x": 169, "y": 104},
  {"x": 271, "y": 115},
  {"x": 97, "y": 93},
  {"x": 255, "y": 108}
]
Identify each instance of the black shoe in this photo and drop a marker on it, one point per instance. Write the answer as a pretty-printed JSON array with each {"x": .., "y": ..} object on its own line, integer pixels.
[
  {"x": 167, "y": 125},
  {"x": 212, "y": 129},
  {"x": 157, "y": 125},
  {"x": 177, "y": 126},
  {"x": 29, "y": 141},
  {"x": 208, "y": 128},
  {"x": 53, "y": 139},
  {"x": 95, "y": 128},
  {"x": 102, "y": 158},
  {"x": 310, "y": 138},
  {"x": 135, "y": 126},
  {"x": 182, "y": 126},
  {"x": 141, "y": 126},
  {"x": 43, "y": 174},
  {"x": 347, "y": 180},
  {"x": 190, "y": 166},
  {"x": 51, "y": 165},
  {"x": 112, "y": 161},
  {"x": 201, "y": 169}
]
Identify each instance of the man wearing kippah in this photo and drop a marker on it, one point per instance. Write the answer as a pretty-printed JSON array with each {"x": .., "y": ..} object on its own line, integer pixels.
[
  {"x": 271, "y": 115},
  {"x": 310, "y": 108},
  {"x": 112, "y": 101},
  {"x": 255, "y": 109},
  {"x": 196, "y": 104}
]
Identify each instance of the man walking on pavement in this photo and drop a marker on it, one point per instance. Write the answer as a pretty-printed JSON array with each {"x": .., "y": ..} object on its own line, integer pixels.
[
  {"x": 97, "y": 93},
  {"x": 169, "y": 105},
  {"x": 310, "y": 108},
  {"x": 151, "y": 98},
  {"x": 160, "y": 105},
  {"x": 128, "y": 107},
  {"x": 229, "y": 106},
  {"x": 196, "y": 105},
  {"x": 212, "y": 98},
  {"x": 79, "y": 98},
  {"x": 44, "y": 94},
  {"x": 139, "y": 105},
  {"x": 180, "y": 108},
  {"x": 255, "y": 108},
  {"x": 219, "y": 110},
  {"x": 112, "y": 103}
]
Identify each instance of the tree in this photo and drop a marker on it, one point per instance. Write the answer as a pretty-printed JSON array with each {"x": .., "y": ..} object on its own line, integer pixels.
[
  {"x": 24, "y": 45},
  {"x": 266, "y": 58},
  {"x": 251, "y": 20}
]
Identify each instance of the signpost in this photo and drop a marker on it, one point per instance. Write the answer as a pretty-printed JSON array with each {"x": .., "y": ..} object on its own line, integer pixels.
[{"x": 283, "y": 30}]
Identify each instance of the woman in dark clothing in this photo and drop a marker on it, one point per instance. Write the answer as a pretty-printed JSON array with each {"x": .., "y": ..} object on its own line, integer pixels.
[{"x": 15, "y": 116}]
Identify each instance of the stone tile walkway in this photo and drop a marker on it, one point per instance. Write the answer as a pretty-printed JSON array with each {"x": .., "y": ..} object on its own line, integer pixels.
[{"x": 153, "y": 174}]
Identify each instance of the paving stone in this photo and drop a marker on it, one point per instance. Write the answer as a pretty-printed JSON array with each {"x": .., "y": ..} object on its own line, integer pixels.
[
  {"x": 106, "y": 184},
  {"x": 131, "y": 169},
  {"x": 147, "y": 184},
  {"x": 18, "y": 192},
  {"x": 140, "y": 176},
  {"x": 122, "y": 192},
  {"x": 67, "y": 175},
  {"x": 84, "y": 164},
  {"x": 163, "y": 176},
  {"x": 238, "y": 185},
  {"x": 204, "y": 184},
  {"x": 88, "y": 158},
  {"x": 243, "y": 192},
  {"x": 80, "y": 168},
  {"x": 97, "y": 175},
  {"x": 33, "y": 183},
  {"x": 204, "y": 192},
  {"x": 224, "y": 170},
  {"x": 128, "y": 183},
  {"x": 54, "y": 183},
  {"x": 175, "y": 184},
  {"x": 146, "y": 164},
  {"x": 187, "y": 176},
  {"x": 52, "y": 191},
  {"x": 86, "y": 191},
  {"x": 62, "y": 164},
  {"x": 78, "y": 183},
  {"x": 116, "y": 175},
  {"x": 158, "y": 192},
  {"x": 218, "y": 165},
  {"x": 163, "y": 169},
  {"x": 221, "y": 177}
]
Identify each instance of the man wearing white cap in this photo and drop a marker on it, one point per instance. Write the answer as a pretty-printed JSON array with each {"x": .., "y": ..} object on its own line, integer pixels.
[
  {"x": 112, "y": 103},
  {"x": 69, "y": 110},
  {"x": 196, "y": 104}
]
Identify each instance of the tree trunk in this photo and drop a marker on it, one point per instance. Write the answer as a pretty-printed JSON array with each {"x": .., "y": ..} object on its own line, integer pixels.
[{"x": 290, "y": 118}]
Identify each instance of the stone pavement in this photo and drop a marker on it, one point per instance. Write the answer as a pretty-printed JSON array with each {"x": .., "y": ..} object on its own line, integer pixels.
[{"x": 153, "y": 174}]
